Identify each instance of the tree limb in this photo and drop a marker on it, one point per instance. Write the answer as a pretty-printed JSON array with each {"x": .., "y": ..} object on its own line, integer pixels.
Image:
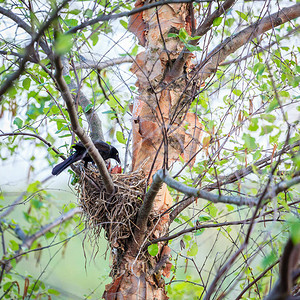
[
  {"x": 198, "y": 193},
  {"x": 89, "y": 64},
  {"x": 233, "y": 177},
  {"x": 209, "y": 66},
  {"x": 145, "y": 209},
  {"x": 91, "y": 115},
  {"x": 110, "y": 17},
  {"x": 261, "y": 49},
  {"x": 88, "y": 144},
  {"x": 202, "y": 29}
]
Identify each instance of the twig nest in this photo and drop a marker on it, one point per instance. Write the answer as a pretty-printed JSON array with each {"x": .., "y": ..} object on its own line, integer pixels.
[{"x": 116, "y": 213}]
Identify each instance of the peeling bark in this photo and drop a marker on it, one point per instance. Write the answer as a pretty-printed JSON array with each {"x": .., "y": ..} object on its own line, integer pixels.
[{"x": 162, "y": 126}]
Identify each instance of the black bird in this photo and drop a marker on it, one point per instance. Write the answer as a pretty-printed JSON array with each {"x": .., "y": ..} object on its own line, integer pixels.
[{"x": 105, "y": 150}]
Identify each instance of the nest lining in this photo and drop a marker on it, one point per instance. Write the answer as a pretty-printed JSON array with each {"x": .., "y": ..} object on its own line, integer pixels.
[{"x": 116, "y": 214}]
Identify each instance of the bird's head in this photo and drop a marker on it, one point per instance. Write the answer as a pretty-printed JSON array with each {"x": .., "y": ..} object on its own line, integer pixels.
[{"x": 115, "y": 154}]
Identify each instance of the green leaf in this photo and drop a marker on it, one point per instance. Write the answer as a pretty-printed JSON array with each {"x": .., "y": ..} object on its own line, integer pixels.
[
  {"x": 296, "y": 161},
  {"x": 124, "y": 24},
  {"x": 269, "y": 259},
  {"x": 268, "y": 117},
  {"x": 183, "y": 35},
  {"x": 274, "y": 103},
  {"x": 88, "y": 13},
  {"x": 18, "y": 122},
  {"x": 120, "y": 137},
  {"x": 33, "y": 187},
  {"x": 254, "y": 124},
  {"x": 88, "y": 107},
  {"x": 71, "y": 22},
  {"x": 217, "y": 21},
  {"x": 266, "y": 129},
  {"x": 212, "y": 210},
  {"x": 284, "y": 94},
  {"x": 75, "y": 11},
  {"x": 237, "y": 92},
  {"x": 95, "y": 38},
  {"x": 204, "y": 218},
  {"x": 249, "y": 141},
  {"x": 294, "y": 224},
  {"x": 199, "y": 232},
  {"x": 242, "y": 15},
  {"x": 63, "y": 44},
  {"x": 173, "y": 35},
  {"x": 134, "y": 50},
  {"x": 53, "y": 292},
  {"x": 26, "y": 83},
  {"x": 108, "y": 112},
  {"x": 36, "y": 203},
  {"x": 193, "y": 48},
  {"x": 257, "y": 155},
  {"x": 67, "y": 79},
  {"x": 153, "y": 249},
  {"x": 193, "y": 250},
  {"x": 14, "y": 246}
]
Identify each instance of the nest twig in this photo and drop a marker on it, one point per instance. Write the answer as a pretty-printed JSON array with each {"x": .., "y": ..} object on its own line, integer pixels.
[{"x": 116, "y": 214}]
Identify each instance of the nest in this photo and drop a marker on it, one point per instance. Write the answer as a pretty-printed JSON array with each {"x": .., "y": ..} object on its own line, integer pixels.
[{"x": 115, "y": 214}]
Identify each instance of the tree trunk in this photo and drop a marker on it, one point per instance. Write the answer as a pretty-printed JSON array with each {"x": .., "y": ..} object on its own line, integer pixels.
[{"x": 163, "y": 130}]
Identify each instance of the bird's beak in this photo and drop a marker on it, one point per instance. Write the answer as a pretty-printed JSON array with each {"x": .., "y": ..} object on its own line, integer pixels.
[{"x": 118, "y": 160}]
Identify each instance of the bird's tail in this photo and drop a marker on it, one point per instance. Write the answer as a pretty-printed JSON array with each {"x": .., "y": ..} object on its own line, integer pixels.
[{"x": 63, "y": 165}]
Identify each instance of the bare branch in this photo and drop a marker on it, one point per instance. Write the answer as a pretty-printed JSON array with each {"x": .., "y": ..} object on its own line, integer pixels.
[
  {"x": 233, "y": 43},
  {"x": 110, "y": 17},
  {"x": 233, "y": 177},
  {"x": 261, "y": 49},
  {"x": 37, "y": 137},
  {"x": 203, "y": 28},
  {"x": 16, "y": 19},
  {"x": 88, "y": 144},
  {"x": 89, "y": 64},
  {"x": 204, "y": 226},
  {"x": 145, "y": 209},
  {"x": 29, "y": 50},
  {"x": 288, "y": 262},
  {"x": 198, "y": 193},
  {"x": 90, "y": 114},
  {"x": 28, "y": 241}
]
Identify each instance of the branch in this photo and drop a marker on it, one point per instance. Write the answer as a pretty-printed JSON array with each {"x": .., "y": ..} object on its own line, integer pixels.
[
  {"x": 233, "y": 177},
  {"x": 145, "y": 209},
  {"x": 205, "y": 226},
  {"x": 198, "y": 193},
  {"x": 29, "y": 50},
  {"x": 91, "y": 115},
  {"x": 88, "y": 144},
  {"x": 28, "y": 241},
  {"x": 16, "y": 19},
  {"x": 109, "y": 17},
  {"x": 35, "y": 136},
  {"x": 89, "y": 64},
  {"x": 233, "y": 43},
  {"x": 202, "y": 29},
  {"x": 288, "y": 262},
  {"x": 262, "y": 48}
]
